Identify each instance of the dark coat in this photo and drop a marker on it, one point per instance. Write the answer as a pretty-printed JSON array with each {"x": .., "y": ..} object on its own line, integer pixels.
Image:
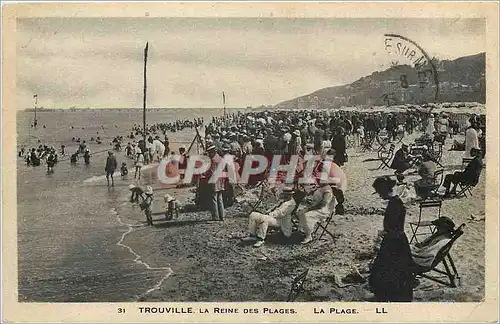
[
  {"x": 111, "y": 164},
  {"x": 391, "y": 278}
]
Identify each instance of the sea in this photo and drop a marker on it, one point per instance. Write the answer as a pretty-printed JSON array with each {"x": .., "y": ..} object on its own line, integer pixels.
[{"x": 72, "y": 227}]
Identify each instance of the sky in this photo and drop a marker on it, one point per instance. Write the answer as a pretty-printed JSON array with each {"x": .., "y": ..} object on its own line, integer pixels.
[{"x": 98, "y": 62}]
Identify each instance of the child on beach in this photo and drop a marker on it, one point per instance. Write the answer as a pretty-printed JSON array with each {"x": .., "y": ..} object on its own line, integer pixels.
[
  {"x": 147, "y": 204},
  {"x": 136, "y": 193},
  {"x": 123, "y": 169},
  {"x": 139, "y": 161}
]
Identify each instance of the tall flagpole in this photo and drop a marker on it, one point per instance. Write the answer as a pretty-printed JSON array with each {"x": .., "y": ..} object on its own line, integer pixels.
[
  {"x": 224, "y": 106},
  {"x": 35, "y": 122},
  {"x": 144, "y": 94}
]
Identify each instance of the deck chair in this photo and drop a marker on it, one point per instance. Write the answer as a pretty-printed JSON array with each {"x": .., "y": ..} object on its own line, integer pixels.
[
  {"x": 443, "y": 257},
  {"x": 323, "y": 228},
  {"x": 385, "y": 157},
  {"x": 414, "y": 226},
  {"x": 297, "y": 286}
]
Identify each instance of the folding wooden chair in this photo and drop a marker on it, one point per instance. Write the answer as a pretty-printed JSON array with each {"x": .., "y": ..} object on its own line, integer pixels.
[
  {"x": 324, "y": 227},
  {"x": 464, "y": 189},
  {"x": 444, "y": 257},
  {"x": 437, "y": 153},
  {"x": 386, "y": 157},
  {"x": 382, "y": 142},
  {"x": 297, "y": 286},
  {"x": 438, "y": 182},
  {"x": 425, "y": 223},
  {"x": 367, "y": 143}
]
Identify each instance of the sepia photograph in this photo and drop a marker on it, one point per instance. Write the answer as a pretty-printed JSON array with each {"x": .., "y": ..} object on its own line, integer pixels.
[{"x": 251, "y": 159}]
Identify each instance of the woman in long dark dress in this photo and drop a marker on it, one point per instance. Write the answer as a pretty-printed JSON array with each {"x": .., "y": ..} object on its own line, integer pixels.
[
  {"x": 339, "y": 145},
  {"x": 391, "y": 278}
]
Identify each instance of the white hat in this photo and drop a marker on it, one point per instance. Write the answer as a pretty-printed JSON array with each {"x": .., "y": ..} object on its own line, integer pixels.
[
  {"x": 131, "y": 187},
  {"x": 168, "y": 198},
  {"x": 149, "y": 190},
  {"x": 296, "y": 132}
]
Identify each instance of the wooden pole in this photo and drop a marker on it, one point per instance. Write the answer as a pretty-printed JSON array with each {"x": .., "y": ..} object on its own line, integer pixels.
[
  {"x": 35, "y": 122},
  {"x": 144, "y": 93},
  {"x": 224, "y": 107}
]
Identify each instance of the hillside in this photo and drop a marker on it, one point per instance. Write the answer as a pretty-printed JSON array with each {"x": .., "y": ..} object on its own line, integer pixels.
[{"x": 462, "y": 79}]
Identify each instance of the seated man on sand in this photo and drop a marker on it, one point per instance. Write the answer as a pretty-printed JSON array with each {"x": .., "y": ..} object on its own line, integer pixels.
[
  {"x": 322, "y": 204},
  {"x": 402, "y": 160},
  {"x": 426, "y": 170},
  {"x": 424, "y": 253},
  {"x": 281, "y": 217},
  {"x": 470, "y": 176}
]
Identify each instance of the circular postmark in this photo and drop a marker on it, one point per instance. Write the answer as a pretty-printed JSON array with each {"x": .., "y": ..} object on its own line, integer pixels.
[{"x": 412, "y": 76}]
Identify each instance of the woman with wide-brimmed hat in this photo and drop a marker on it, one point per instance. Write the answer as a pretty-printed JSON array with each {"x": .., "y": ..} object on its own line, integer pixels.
[{"x": 391, "y": 278}]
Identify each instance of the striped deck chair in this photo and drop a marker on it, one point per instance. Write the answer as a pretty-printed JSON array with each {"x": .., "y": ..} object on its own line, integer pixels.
[{"x": 443, "y": 257}]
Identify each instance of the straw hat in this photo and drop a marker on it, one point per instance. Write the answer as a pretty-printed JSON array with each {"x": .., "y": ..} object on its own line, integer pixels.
[
  {"x": 149, "y": 190},
  {"x": 131, "y": 187},
  {"x": 383, "y": 182},
  {"x": 168, "y": 198},
  {"x": 296, "y": 132},
  {"x": 444, "y": 222}
]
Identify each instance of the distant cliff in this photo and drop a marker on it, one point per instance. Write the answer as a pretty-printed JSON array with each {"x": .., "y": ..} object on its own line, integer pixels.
[{"x": 462, "y": 79}]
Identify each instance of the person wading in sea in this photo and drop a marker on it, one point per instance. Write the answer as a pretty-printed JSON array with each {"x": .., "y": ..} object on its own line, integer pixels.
[{"x": 111, "y": 165}]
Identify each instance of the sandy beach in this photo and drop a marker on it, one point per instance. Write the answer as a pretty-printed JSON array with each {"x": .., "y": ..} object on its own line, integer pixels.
[
  {"x": 102, "y": 248},
  {"x": 209, "y": 263}
]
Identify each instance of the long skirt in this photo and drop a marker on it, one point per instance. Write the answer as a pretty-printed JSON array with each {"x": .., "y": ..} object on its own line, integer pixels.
[{"x": 391, "y": 278}]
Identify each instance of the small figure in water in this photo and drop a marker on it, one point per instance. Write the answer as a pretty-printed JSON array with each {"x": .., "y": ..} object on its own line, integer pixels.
[
  {"x": 51, "y": 161},
  {"x": 136, "y": 193},
  {"x": 147, "y": 204},
  {"x": 74, "y": 158},
  {"x": 139, "y": 162},
  {"x": 82, "y": 146},
  {"x": 123, "y": 169},
  {"x": 62, "y": 150},
  {"x": 86, "y": 156},
  {"x": 35, "y": 160},
  {"x": 111, "y": 166}
]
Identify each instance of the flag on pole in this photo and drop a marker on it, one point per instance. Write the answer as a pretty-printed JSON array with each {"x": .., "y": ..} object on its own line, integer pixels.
[
  {"x": 223, "y": 98},
  {"x": 35, "y": 97}
]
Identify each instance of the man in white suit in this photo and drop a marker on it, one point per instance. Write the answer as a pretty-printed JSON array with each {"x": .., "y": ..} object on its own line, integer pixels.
[
  {"x": 280, "y": 217},
  {"x": 323, "y": 203}
]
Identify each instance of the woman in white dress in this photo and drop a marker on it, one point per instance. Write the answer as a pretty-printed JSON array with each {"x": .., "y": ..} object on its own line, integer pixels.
[{"x": 471, "y": 139}]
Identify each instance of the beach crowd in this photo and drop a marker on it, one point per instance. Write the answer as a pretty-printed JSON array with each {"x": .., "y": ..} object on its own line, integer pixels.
[{"x": 293, "y": 136}]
